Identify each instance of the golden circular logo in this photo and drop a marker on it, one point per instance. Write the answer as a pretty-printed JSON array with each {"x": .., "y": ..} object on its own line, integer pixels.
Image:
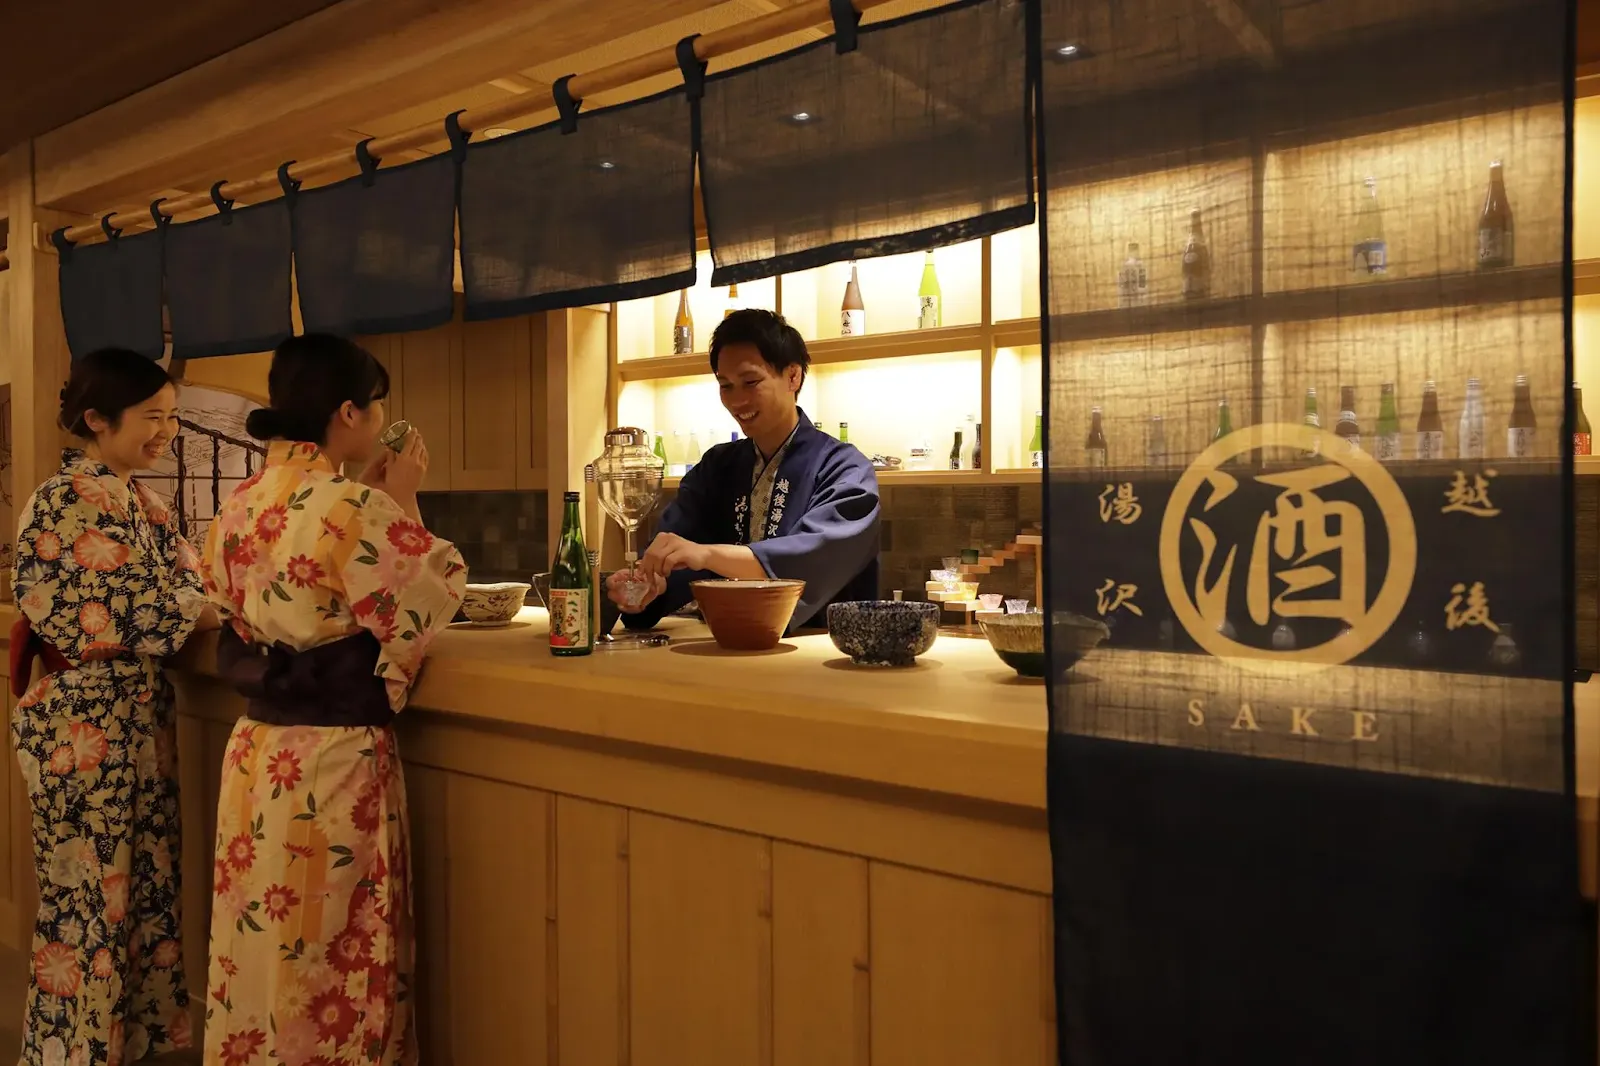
[{"x": 1301, "y": 517}]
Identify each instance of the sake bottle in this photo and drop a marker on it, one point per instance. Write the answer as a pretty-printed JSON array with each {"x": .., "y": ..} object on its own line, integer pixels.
[
  {"x": 1388, "y": 440},
  {"x": 735, "y": 301},
  {"x": 1370, "y": 254},
  {"x": 661, "y": 451},
  {"x": 1348, "y": 427},
  {"x": 570, "y": 630},
  {"x": 1312, "y": 419},
  {"x": 1582, "y": 442},
  {"x": 852, "y": 312},
  {"x": 1196, "y": 261},
  {"x": 929, "y": 296},
  {"x": 1430, "y": 427},
  {"x": 1520, "y": 432},
  {"x": 844, "y": 433},
  {"x": 693, "y": 455},
  {"x": 1095, "y": 450},
  {"x": 1496, "y": 232},
  {"x": 977, "y": 446},
  {"x": 1133, "y": 283},
  {"x": 683, "y": 327},
  {"x": 676, "y": 462},
  {"x": 1036, "y": 444},
  {"x": 1470, "y": 442}
]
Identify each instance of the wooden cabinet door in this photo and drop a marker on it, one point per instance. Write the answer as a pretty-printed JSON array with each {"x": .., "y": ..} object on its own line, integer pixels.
[
  {"x": 426, "y": 359},
  {"x": 489, "y": 399}
]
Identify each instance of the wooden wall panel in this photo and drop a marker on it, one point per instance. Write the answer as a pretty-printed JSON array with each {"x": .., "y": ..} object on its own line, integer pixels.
[
  {"x": 961, "y": 973},
  {"x": 591, "y": 933},
  {"x": 821, "y": 983},
  {"x": 428, "y": 357},
  {"x": 499, "y": 868},
  {"x": 488, "y": 393},
  {"x": 700, "y": 931}
]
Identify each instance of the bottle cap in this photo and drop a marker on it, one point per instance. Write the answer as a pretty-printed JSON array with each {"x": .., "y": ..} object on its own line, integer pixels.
[{"x": 570, "y": 497}]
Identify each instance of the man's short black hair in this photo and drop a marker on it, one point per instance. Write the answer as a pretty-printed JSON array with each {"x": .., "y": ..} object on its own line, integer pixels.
[{"x": 779, "y": 343}]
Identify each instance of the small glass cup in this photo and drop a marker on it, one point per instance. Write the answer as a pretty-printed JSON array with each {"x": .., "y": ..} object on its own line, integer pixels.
[
  {"x": 952, "y": 562},
  {"x": 633, "y": 586},
  {"x": 1016, "y": 607},
  {"x": 394, "y": 438},
  {"x": 991, "y": 601}
]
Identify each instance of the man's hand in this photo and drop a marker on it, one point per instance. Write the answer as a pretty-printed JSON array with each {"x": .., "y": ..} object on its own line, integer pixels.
[{"x": 669, "y": 552}]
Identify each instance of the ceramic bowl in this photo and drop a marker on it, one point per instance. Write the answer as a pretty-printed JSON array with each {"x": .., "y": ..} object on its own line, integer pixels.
[
  {"x": 1019, "y": 640},
  {"x": 747, "y": 615},
  {"x": 883, "y": 632},
  {"x": 494, "y": 604},
  {"x": 609, "y": 612}
]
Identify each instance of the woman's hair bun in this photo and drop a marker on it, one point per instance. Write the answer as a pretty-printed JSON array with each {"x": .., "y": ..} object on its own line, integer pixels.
[
  {"x": 264, "y": 423},
  {"x": 107, "y": 382}
]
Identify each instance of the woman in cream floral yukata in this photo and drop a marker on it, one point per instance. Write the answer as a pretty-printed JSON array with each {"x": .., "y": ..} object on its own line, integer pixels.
[
  {"x": 106, "y": 587},
  {"x": 332, "y": 590}
]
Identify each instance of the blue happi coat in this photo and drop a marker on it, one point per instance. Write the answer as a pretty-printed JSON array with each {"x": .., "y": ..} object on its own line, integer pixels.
[{"x": 822, "y": 526}]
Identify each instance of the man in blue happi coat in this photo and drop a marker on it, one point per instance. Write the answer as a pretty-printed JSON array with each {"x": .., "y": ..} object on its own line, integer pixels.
[{"x": 784, "y": 501}]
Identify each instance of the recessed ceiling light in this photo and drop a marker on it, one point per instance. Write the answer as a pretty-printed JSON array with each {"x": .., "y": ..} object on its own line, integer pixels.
[
  {"x": 496, "y": 131},
  {"x": 606, "y": 164},
  {"x": 1067, "y": 50},
  {"x": 801, "y": 116}
]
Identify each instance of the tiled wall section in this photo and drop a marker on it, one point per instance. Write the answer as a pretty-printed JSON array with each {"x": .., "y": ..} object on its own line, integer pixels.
[
  {"x": 502, "y": 535},
  {"x": 922, "y": 525}
]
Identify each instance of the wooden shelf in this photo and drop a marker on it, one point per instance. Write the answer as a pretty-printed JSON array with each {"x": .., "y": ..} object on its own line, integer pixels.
[
  {"x": 937, "y": 478},
  {"x": 1586, "y": 277},
  {"x": 942, "y": 341}
]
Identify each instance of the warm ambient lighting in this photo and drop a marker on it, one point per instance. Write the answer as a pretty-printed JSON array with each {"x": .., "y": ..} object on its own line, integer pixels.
[
  {"x": 1067, "y": 50},
  {"x": 606, "y": 164},
  {"x": 496, "y": 131}
]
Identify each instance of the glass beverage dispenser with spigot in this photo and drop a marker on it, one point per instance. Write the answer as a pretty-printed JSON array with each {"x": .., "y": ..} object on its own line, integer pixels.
[{"x": 629, "y": 476}]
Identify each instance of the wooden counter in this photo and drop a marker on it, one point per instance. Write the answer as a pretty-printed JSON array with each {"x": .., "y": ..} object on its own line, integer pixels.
[{"x": 710, "y": 857}]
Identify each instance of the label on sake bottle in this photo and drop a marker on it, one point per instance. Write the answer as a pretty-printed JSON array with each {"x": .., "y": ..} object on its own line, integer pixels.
[
  {"x": 683, "y": 340},
  {"x": 852, "y": 323},
  {"x": 569, "y": 618},
  {"x": 928, "y": 315},
  {"x": 1494, "y": 244},
  {"x": 1472, "y": 443},
  {"x": 1519, "y": 442},
  {"x": 1036, "y": 460},
  {"x": 1430, "y": 444},
  {"x": 1388, "y": 447},
  {"x": 1371, "y": 256},
  {"x": 1581, "y": 444}
]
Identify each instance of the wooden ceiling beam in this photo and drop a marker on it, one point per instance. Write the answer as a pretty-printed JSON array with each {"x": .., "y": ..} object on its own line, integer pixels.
[{"x": 330, "y": 71}]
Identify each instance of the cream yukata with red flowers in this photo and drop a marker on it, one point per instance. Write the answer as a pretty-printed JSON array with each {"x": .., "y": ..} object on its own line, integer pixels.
[
  {"x": 104, "y": 578},
  {"x": 311, "y": 935}
]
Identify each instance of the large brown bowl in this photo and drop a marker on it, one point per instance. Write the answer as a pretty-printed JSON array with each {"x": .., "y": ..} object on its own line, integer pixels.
[{"x": 747, "y": 615}]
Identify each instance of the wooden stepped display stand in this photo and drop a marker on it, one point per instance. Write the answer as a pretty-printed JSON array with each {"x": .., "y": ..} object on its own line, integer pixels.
[{"x": 1031, "y": 540}]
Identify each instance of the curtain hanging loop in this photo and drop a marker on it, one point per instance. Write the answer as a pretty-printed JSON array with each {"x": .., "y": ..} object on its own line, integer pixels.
[
  {"x": 155, "y": 213},
  {"x": 565, "y": 104},
  {"x": 846, "y": 23},
  {"x": 458, "y": 136},
  {"x": 692, "y": 67},
  {"x": 369, "y": 165},
  {"x": 224, "y": 205},
  {"x": 111, "y": 232},
  {"x": 289, "y": 185},
  {"x": 63, "y": 246}
]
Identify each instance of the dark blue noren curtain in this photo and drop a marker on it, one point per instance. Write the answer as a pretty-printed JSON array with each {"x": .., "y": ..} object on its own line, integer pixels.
[
  {"x": 606, "y": 212},
  {"x": 111, "y": 295},
  {"x": 228, "y": 281},
  {"x": 918, "y": 137},
  {"x": 377, "y": 255},
  {"x": 1312, "y": 792}
]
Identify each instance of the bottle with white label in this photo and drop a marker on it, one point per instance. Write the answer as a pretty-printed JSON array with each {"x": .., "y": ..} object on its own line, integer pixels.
[
  {"x": 1133, "y": 282},
  {"x": 1519, "y": 433},
  {"x": 1155, "y": 445},
  {"x": 930, "y": 296},
  {"x": 1469, "y": 440},
  {"x": 1430, "y": 427},
  {"x": 852, "y": 312},
  {"x": 1388, "y": 438},
  {"x": 1036, "y": 443}
]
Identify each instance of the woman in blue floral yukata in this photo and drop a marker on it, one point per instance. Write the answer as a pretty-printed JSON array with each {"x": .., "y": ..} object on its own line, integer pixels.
[{"x": 106, "y": 588}]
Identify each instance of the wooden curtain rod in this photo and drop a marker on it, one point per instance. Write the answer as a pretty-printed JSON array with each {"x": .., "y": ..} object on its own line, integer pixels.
[{"x": 804, "y": 16}]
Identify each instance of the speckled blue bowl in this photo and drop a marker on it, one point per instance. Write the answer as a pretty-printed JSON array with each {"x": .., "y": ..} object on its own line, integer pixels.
[{"x": 883, "y": 632}]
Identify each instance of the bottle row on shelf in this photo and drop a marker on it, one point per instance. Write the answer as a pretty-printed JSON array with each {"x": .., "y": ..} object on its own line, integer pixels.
[
  {"x": 852, "y": 309},
  {"x": 1369, "y": 257},
  {"x": 1383, "y": 438}
]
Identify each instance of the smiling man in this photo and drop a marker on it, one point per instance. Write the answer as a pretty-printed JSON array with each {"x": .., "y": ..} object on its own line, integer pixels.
[{"x": 786, "y": 501}]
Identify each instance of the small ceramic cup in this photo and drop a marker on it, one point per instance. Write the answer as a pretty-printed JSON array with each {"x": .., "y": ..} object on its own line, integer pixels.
[{"x": 394, "y": 438}]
